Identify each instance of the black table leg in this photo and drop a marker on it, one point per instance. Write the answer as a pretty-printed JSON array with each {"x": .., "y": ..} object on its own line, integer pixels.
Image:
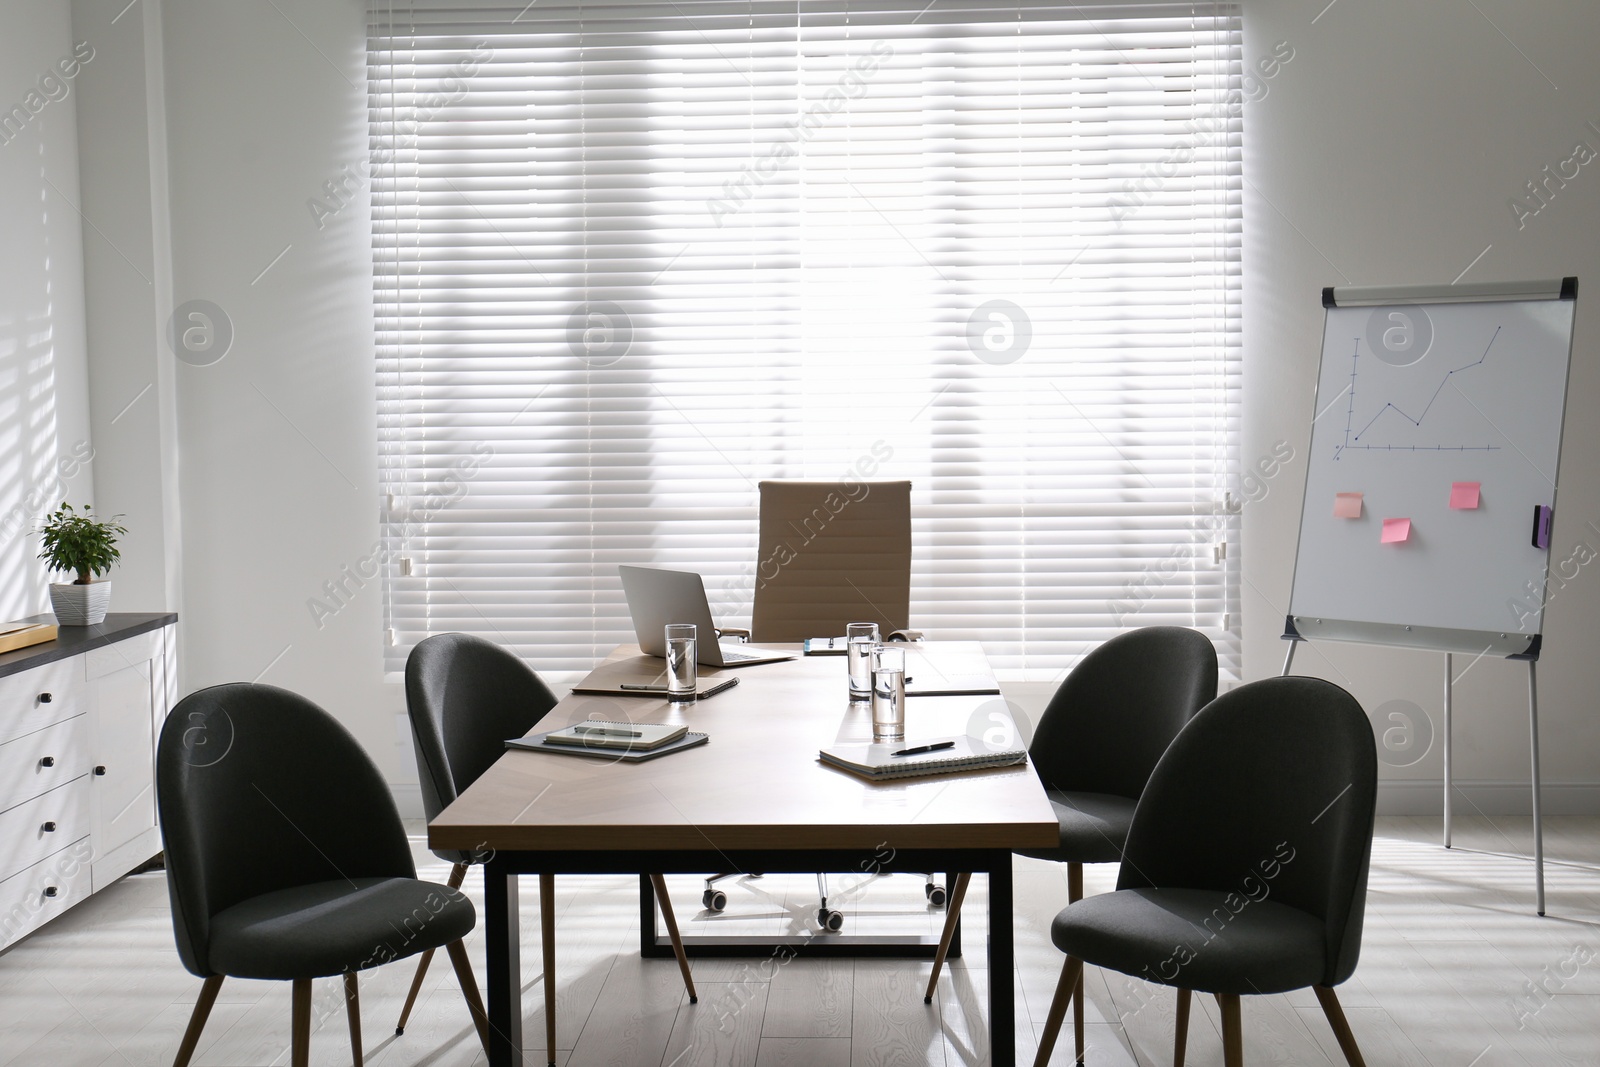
[
  {"x": 502, "y": 930},
  {"x": 1002, "y": 967}
]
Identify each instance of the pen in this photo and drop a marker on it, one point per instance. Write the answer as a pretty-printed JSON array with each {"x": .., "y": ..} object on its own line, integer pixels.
[
  {"x": 924, "y": 748},
  {"x": 719, "y": 687},
  {"x": 634, "y": 687},
  {"x": 603, "y": 732}
]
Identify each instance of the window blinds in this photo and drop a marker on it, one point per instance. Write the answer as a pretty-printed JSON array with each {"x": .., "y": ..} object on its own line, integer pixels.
[{"x": 633, "y": 257}]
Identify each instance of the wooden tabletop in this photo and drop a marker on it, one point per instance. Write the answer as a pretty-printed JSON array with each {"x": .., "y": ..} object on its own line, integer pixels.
[{"x": 757, "y": 785}]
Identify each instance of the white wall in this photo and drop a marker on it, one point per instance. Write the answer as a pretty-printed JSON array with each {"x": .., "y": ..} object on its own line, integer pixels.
[
  {"x": 277, "y": 440},
  {"x": 1385, "y": 152},
  {"x": 45, "y": 452}
]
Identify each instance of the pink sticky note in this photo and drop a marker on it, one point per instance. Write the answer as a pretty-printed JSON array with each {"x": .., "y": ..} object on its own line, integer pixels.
[
  {"x": 1396, "y": 531},
  {"x": 1464, "y": 495},
  {"x": 1347, "y": 505}
]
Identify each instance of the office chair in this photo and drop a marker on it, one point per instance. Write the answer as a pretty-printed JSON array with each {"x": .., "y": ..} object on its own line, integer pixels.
[
  {"x": 829, "y": 554},
  {"x": 1246, "y": 864},
  {"x": 286, "y": 859},
  {"x": 1096, "y": 744},
  {"x": 465, "y": 697}
]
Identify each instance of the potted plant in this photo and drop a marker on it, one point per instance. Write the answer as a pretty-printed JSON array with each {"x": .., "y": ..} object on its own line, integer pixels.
[{"x": 78, "y": 543}]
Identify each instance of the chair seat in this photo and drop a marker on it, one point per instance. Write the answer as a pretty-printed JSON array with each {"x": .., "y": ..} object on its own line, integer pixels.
[
  {"x": 326, "y": 928},
  {"x": 1094, "y": 827},
  {"x": 1192, "y": 939}
]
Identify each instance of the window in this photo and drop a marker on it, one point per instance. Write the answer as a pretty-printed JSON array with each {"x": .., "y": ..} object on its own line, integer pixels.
[{"x": 633, "y": 258}]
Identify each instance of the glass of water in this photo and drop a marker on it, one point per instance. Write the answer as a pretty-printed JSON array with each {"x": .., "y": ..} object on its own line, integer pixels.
[
  {"x": 888, "y": 693},
  {"x": 861, "y": 638},
  {"x": 680, "y": 660}
]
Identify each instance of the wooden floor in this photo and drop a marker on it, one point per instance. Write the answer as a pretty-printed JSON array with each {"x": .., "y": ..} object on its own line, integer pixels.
[{"x": 1451, "y": 955}]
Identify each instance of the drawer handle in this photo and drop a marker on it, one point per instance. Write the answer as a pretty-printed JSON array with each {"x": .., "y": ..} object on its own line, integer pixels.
[
  {"x": 50, "y": 891},
  {"x": 100, "y": 771},
  {"x": 45, "y": 698},
  {"x": 48, "y": 761},
  {"x": 49, "y": 827}
]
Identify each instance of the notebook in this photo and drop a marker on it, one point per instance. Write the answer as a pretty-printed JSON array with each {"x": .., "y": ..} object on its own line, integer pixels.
[{"x": 878, "y": 762}]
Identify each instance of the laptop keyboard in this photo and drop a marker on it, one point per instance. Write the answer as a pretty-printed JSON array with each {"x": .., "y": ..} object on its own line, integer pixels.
[{"x": 729, "y": 656}]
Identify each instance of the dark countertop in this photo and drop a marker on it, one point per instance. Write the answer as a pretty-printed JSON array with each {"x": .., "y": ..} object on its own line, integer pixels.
[{"x": 76, "y": 640}]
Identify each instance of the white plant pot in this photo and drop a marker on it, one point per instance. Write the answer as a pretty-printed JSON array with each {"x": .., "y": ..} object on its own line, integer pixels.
[{"x": 80, "y": 605}]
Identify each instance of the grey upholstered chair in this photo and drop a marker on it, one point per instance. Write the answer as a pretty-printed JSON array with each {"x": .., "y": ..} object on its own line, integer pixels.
[
  {"x": 1098, "y": 740},
  {"x": 1245, "y": 870},
  {"x": 466, "y": 697},
  {"x": 286, "y": 858}
]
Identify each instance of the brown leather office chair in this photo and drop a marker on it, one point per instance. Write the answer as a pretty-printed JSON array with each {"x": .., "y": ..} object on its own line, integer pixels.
[{"x": 830, "y": 553}]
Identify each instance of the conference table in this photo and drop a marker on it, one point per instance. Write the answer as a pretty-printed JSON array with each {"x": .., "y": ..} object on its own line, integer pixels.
[{"x": 755, "y": 798}]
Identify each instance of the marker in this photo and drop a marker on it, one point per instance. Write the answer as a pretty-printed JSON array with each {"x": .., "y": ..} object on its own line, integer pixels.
[{"x": 924, "y": 748}]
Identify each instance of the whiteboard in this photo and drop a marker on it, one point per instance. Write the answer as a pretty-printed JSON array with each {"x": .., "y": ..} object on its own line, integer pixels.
[{"x": 1420, "y": 389}]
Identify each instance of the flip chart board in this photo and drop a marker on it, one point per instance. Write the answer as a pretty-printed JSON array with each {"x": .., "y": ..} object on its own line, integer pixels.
[{"x": 1442, "y": 408}]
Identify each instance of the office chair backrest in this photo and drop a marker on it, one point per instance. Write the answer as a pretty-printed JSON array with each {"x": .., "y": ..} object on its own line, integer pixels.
[
  {"x": 1268, "y": 793},
  {"x": 831, "y": 553},
  {"x": 465, "y": 697},
  {"x": 1115, "y": 714},
  {"x": 259, "y": 790}
]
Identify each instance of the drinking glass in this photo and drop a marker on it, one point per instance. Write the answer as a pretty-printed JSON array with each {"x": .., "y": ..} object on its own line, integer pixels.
[
  {"x": 860, "y": 638},
  {"x": 888, "y": 693},
  {"x": 680, "y": 660}
]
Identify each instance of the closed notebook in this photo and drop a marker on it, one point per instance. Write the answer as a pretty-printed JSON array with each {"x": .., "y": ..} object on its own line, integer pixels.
[
  {"x": 879, "y": 762},
  {"x": 630, "y": 736}
]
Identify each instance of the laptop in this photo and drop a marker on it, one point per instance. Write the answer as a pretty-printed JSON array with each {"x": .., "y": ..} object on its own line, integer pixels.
[{"x": 657, "y": 597}]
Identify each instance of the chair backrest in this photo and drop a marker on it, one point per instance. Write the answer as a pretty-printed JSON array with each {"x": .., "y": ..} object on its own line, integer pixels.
[
  {"x": 260, "y": 790},
  {"x": 1268, "y": 793},
  {"x": 1115, "y": 714},
  {"x": 831, "y": 553},
  {"x": 465, "y": 697}
]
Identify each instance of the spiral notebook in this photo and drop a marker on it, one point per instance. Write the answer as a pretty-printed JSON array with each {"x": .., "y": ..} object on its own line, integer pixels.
[{"x": 878, "y": 762}]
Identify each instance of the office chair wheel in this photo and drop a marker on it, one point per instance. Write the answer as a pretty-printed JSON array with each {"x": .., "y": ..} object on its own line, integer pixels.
[
  {"x": 829, "y": 920},
  {"x": 936, "y": 894},
  {"x": 714, "y": 899}
]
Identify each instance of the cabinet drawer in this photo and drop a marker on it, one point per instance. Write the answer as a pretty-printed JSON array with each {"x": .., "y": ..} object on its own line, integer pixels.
[
  {"x": 36, "y": 698},
  {"x": 34, "y": 896},
  {"x": 43, "y": 760},
  {"x": 24, "y": 838}
]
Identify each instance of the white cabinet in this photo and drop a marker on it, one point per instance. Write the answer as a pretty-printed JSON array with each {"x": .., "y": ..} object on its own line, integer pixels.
[{"x": 79, "y": 718}]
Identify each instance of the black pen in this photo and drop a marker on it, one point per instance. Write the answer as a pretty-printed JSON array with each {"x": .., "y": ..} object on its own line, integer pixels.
[
  {"x": 924, "y": 748},
  {"x": 719, "y": 687},
  {"x": 634, "y": 687}
]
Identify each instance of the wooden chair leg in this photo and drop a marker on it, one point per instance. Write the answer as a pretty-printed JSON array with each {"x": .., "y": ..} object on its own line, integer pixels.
[
  {"x": 1341, "y": 1028},
  {"x": 1232, "y": 1033},
  {"x": 1181, "y": 1043},
  {"x": 300, "y": 1023},
  {"x": 458, "y": 874},
  {"x": 952, "y": 916},
  {"x": 1071, "y": 971},
  {"x": 660, "y": 883},
  {"x": 197, "y": 1020},
  {"x": 547, "y": 923},
  {"x": 1075, "y": 894},
  {"x": 457, "y": 951},
  {"x": 352, "y": 1007}
]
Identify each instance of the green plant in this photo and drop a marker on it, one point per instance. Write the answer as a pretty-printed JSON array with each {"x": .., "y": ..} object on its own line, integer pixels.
[{"x": 79, "y": 543}]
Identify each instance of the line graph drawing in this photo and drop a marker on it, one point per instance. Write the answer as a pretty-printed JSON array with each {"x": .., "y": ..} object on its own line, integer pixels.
[{"x": 1351, "y": 443}]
